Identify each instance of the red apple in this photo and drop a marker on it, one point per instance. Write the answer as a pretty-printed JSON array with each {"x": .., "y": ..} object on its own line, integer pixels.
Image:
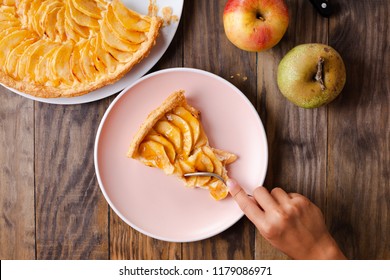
[{"x": 255, "y": 25}]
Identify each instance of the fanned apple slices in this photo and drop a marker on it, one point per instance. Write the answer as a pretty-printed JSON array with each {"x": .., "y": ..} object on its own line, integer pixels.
[
  {"x": 65, "y": 48},
  {"x": 172, "y": 139}
]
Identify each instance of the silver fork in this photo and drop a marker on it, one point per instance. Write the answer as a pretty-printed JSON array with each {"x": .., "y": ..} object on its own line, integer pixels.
[{"x": 205, "y": 174}]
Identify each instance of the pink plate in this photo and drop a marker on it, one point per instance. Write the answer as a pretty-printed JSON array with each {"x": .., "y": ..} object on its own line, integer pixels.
[{"x": 158, "y": 205}]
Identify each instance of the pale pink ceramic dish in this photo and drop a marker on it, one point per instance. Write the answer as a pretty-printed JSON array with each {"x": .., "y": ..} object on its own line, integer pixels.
[{"x": 158, "y": 205}]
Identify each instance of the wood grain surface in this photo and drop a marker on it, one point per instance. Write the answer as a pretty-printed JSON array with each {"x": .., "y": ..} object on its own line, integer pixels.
[
  {"x": 71, "y": 214},
  {"x": 51, "y": 206},
  {"x": 296, "y": 136},
  {"x": 17, "y": 204},
  {"x": 359, "y": 132}
]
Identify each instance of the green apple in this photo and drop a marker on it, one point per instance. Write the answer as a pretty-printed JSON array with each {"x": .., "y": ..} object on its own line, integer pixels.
[{"x": 311, "y": 75}]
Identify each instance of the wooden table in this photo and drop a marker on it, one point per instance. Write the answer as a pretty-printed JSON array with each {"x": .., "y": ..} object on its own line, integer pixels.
[{"x": 51, "y": 206}]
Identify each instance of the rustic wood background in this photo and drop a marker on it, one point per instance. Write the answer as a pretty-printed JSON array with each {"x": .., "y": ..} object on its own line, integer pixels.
[{"x": 51, "y": 206}]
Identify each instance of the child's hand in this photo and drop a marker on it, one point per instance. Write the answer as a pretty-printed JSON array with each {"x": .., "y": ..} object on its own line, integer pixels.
[{"x": 289, "y": 221}]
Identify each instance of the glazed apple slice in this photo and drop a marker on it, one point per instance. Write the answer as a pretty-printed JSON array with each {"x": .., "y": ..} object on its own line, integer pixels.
[
  {"x": 75, "y": 61},
  {"x": 8, "y": 31},
  {"x": 88, "y": 7},
  {"x": 129, "y": 19},
  {"x": 120, "y": 31},
  {"x": 121, "y": 56},
  {"x": 86, "y": 62},
  {"x": 11, "y": 10},
  {"x": 42, "y": 71},
  {"x": 14, "y": 56},
  {"x": 50, "y": 23},
  {"x": 103, "y": 55},
  {"x": 112, "y": 40},
  {"x": 41, "y": 16},
  {"x": 80, "y": 17},
  {"x": 203, "y": 163},
  {"x": 169, "y": 148},
  {"x": 7, "y": 17},
  {"x": 8, "y": 24},
  {"x": 70, "y": 32},
  {"x": 81, "y": 30},
  {"x": 9, "y": 42},
  {"x": 171, "y": 132},
  {"x": 32, "y": 11},
  {"x": 23, "y": 62},
  {"x": 61, "y": 63},
  {"x": 153, "y": 154},
  {"x": 60, "y": 26},
  {"x": 185, "y": 130},
  {"x": 191, "y": 120},
  {"x": 34, "y": 58}
]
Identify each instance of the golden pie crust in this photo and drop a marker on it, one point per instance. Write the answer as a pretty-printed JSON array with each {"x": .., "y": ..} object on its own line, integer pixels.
[
  {"x": 66, "y": 48},
  {"x": 172, "y": 139}
]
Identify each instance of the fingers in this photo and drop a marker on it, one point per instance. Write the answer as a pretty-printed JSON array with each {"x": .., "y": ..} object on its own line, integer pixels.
[
  {"x": 297, "y": 196},
  {"x": 264, "y": 198},
  {"x": 280, "y": 196},
  {"x": 247, "y": 205}
]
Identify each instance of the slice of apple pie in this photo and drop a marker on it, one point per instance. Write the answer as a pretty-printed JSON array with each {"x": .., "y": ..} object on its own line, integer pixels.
[
  {"x": 65, "y": 48},
  {"x": 172, "y": 139}
]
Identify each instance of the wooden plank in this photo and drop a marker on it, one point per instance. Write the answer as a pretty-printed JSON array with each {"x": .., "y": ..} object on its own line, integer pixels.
[
  {"x": 71, "y": 213},
  {"x": 126, "y": 242},
  {"x": 359, "y": 132},
  {"x": 17, "y": 222},
  {"x": 296, "y": 137},
  {"x": 206, "y": 47},
  {"x": 236, "y": 243}
]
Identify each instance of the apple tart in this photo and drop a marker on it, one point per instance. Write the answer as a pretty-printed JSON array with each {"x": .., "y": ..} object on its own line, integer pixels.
[
  {"x": 172, "y": 139},
  {"x": 66, "y": 48}
]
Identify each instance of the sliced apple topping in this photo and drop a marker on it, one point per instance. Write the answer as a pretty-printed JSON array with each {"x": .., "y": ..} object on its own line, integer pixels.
[
  {"x": 153, "y": 154},
  {"x": 168, "y": 146},
  {"x": 61, "y": 63},
  {"x": 13, "y": 58},
  {"x": 42, "y": 71},
  {"x": 9, "y": 2},
  {"x": 73, "y": 23},
  {"x": 32, "y": 11},
  {"x": 25, "y": 57},
  {"x": 171, "y": 132},
  {"x": 183, "y": 146},
  {"x": 10, "y": 41},
  {"x": 80, "y": 17},
  {"x": 104, "y": 56},
  {"x": 185, "y": 131},
  {"x": 75, "y": 61},
  {"x": 60, "y": 26},
  {"x": 88, "y": 7},
  {"x": 120, "y": 31},
  {"x": 34, "y": 57},
  {"x": 50, "y": 23},
  {"x": 129, "y": 19},
  {"x": 5, "y": 16},
  {"x": 70, "y": 47},
  {"x": 8, "y": 31},
  {"x": 86, "y": 62},
  {"x": 7, "y": 9},
  {"x": 7, "y": 24}
]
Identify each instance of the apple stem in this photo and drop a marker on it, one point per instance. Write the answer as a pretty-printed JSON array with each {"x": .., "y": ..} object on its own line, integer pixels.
[
  {"x": 259, "y": 16},
  {"x": 320, "y": 71}
]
